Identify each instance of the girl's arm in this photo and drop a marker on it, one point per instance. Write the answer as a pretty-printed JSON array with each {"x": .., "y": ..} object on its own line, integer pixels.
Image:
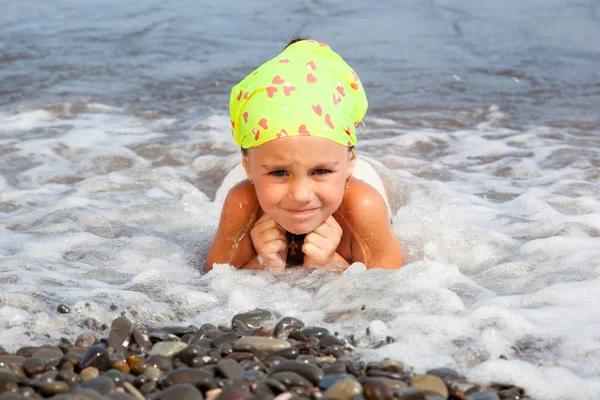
[
  {"x": 367, "y": 216},
  {"x": 232, "y": 243}
]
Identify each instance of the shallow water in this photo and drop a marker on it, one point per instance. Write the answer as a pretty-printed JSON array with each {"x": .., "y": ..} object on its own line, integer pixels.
[{"x": 114, "y": 141}]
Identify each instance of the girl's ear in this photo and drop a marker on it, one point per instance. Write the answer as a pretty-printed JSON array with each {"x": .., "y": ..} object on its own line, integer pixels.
[
  {"x": 246, "y": 164},
  {"x": 352, "y": 157}
]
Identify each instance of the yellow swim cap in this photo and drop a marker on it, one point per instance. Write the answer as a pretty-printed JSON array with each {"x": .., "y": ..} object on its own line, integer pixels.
[{"x": 308, "y": 89}]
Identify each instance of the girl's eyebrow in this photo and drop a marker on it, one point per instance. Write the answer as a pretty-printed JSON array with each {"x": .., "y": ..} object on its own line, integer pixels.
[{"x": 325, "y": 164}]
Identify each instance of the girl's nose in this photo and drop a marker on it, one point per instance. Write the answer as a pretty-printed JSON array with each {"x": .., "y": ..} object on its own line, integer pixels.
[{"x": 300, "y": 191}]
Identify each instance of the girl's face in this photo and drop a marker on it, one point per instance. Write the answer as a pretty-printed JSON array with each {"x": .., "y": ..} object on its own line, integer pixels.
[{"x": 299, "y": 180}]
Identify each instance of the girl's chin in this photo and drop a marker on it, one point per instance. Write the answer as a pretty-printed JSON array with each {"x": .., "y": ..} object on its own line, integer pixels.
[{"x": 299, "y": 229}]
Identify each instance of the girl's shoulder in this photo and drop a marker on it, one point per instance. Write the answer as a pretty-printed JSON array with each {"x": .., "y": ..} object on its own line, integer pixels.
[
  {"x": 241, "y": 200},
  {"x": 363, "y": 203}
]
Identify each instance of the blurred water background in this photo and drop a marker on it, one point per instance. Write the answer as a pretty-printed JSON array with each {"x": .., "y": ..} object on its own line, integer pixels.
[{"x": 484, "y": 122}]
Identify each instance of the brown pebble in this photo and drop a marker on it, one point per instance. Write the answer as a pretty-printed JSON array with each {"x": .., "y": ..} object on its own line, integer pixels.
[
  {"x": 34, "y": 365},
  {"x": 121, "y": 366},
  {"x": 212, "y": 394},
  {"x": 89, "y": 373},
  {"x": 85, "y": 340},
  {"x": 430, "y": 383},
  {"x": 56, "y": 387}
]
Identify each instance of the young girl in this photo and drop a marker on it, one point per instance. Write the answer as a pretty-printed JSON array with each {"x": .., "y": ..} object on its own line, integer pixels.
[{"x": 294, "y": 118}]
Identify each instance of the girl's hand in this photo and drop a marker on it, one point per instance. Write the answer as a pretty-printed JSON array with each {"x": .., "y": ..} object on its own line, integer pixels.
[
  {"x": 270, "y": 243},
  {"x": 320, "y": 245}
]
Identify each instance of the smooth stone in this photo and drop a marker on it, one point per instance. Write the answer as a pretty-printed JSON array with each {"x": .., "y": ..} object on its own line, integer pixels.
[
  {"x": 139, "y": 340},
  {"x": 56, "y": 387},
  {"x": 26, "y": 351},
  {"x": 12, "y": 396},
  {"x": 229, "y": 368},
  {"x": 102, "y": 384},
  {"x": 392, "y": 366},
  {"x": 34, "y": 365},
  {"x": 13, "y": 361},
  {"x": 376, "y": 372},
  {"x": 229, "y": 337},
  {"x": 285, "y": 326},
  {"x": 344, "y": 389},
  {"x": 85, "y": 340},
  {"x": 84, "y": 394},
  {"x": 205, "y": 343},
  {"x": 147, "y": 387},
  {"x": 89, "y": 373},
  {"x": 409, "y": 393},
  {"x": 152, "y": 373},
  {"x": 63, "y": 309},
  {"x": 190, "y": 352},
  {"x": 290, "y": 379},
  {"x": 117, "y": 377},
  {"x": 331, "y": 379},
  {"x": 262, "y": 343},
  {"x": 239, "y": 356},
  {"x": 377, "y": 389},
  {"x": 181, "y": 391},
  {"x": 120, "y": 333},
  {"x": 167, "y": 349},
  {"x": 290, "y": 353},
  {"x": 483, "y": 396},
  {"x": 330, "y": 340},
  {"x": 118, "y": 395},
  {"x": 430, "y": 383},
  {"x": 309, "y": 371},
  {"x": 121, "y": 366},
  {"x": 159, "y": 361},
  {"x": 160, "y": 336},
  {"x": 72, "y": 357},
  {"x": 179, "y": 330},
  {"x": 98, "y": 357},
  {"x": 315, "y": 331},
  {"x": 52, "y": 355},
  {"x": 185, "y": 375},
  {"x": 133, "y": 391},
  {"x": 254, "y": 319},
  {"x": 449, "y": 376}
]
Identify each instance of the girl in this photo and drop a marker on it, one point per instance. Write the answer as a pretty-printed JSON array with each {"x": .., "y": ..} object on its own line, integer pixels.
[{"x": 294, "y": 118}]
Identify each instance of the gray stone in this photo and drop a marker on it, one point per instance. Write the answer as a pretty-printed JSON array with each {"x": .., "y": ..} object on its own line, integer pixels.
[
  {"x": 85, "y": 340},
  {"x": 229, "y": 368},
  {"x": 120, "y": 333},
  {"x": 102, "y": 384},
  {"x": 181, "y": 391},
  {"x": 285, "y": 326},
  {"x": 483, "y": 396},
  {"x": 262, "y": 343},
  {"x": 254, "y": 319},
  {"x": 430, "y": 383},
  {"x": 185, "y": 375},
  {"x": 309, "y": 371},
  {"x": 167, "y": 349}
]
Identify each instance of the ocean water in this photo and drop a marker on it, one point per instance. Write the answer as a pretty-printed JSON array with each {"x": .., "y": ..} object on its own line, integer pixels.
[{"x": 484, "y": 124}]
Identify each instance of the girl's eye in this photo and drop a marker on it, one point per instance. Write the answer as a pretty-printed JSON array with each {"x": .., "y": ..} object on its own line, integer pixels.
[
  {"x": 322, "y": 171},
  {"x": 279, "y": 172}
]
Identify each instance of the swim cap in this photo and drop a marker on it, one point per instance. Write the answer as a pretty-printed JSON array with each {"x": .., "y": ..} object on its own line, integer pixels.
[{"x": 307, "y": 90}]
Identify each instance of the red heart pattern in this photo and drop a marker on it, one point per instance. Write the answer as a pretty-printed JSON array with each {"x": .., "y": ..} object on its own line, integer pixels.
[
  {"x": 263, "y": 123},
  {"x": 317, "y": 109}
]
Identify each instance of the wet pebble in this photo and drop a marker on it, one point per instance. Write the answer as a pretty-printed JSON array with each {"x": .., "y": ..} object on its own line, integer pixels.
[
  {"x": 430, "y": 383},
  {"x": 262, "y": 343},
  {"x": 185, "y": 375},
  {"x": 102, "y": 384},
  {"x": 285, "y": 326},
  {"x": 85, "y": 340},
  {"x": 254, "y": 319},
  {"x": 309, "y": 371},
  {"x": 34, "y": 365},
  {"x": 51, "y": 355},
  {"x": 181, "y": 391},
  {"x": 63, "y": 309},
  {"x": 97, "y": 357},
  {"x": 483, "y": 396},
  {"x": 167, "y": 349},
  {"x": 344, "y": 389},
  {"x": 55, "y": 387},
  {"x": 120, "y": 333}
]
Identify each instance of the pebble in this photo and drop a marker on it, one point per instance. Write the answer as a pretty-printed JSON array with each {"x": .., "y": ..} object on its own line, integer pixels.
[
  {"x": 89, "y": 373},
  {"x": 483, "y": 396},
  {"x": 120, "y": 333},
  {"x": 262, "y": 343},
  {"x": 96, "y": 356},
  {"x": 181, "y": 391},
  {"x": 246, "y": 359},
  {"x": 167, "y": 349},
  {"x": 344, "y": 389},
  {"x": 34, "y": 365},
  {"x": 254, "y": 319},
  {"x": 285, "y": 326},
  {"x": 430, "y": 383},
  {"x": 63, "y": 309},
  {"x": 85, "y": 340},
  {"x": 102, "y": 384}
]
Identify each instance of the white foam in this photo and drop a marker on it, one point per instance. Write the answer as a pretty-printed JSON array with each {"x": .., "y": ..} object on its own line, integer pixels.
[{"x": 500, "y": 233}]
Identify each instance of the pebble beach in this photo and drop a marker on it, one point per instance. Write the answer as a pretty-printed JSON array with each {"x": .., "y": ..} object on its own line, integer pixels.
[{"x": 250, "y": 359}]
